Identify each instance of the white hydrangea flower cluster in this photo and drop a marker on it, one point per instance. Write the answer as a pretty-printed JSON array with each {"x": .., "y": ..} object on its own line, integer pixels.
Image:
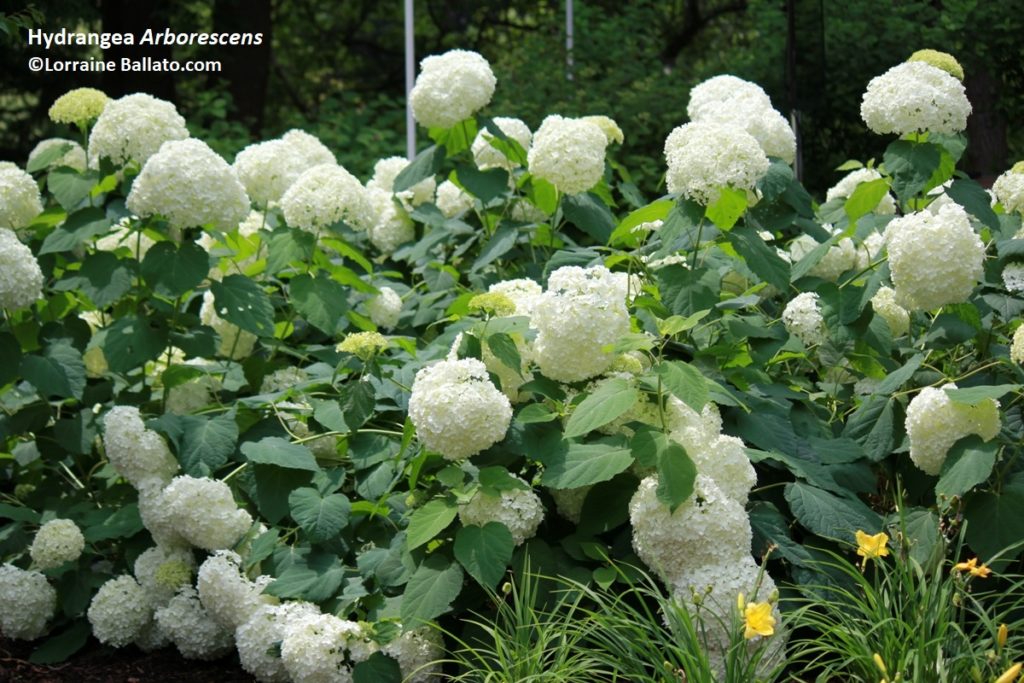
[
  {"x": 21, "y": 279},
  {"x": 414, "y": 651},
  {"x": 190, "y": 185},
  {"x": 456, "y": 409},
  {"x": 522, "y": 292},
  {"x": 385, "y": 308},
  {"x": 120, "y": 611},
  {"x": 1017, "y": 346},
  {"x": 191, "y": 628},
  {"x": 283, "y": 379},
  {"x": 934, "y": 423},
  {"x": 525, "y": 211},
  {"x": 78, "y": 106},
  {"x": 203, "y": 511},
  {"x": 235, "y": 343},
  {"x": 132, "y": 128},
  {"x": 28, "y": 603},
  {"x": 936, "y": 259},
  {"x": 520, "y": 510},
  {"x": 192, "y": 396},
  {"x": 802, "y": 318},
  {"x": 487, "y": 156},
  {"x": 256, "y": 638},
  {"x": 393, "y": 226},
  {"x": 897, "y": 317},
  {"x": 451, "y": 87},
  {"x": 138, "y": 454},
  {"x": 731, "y": 101},
  {"x": 452, "y": 200},
  {"x": 315, "y": 649},
  {"x": 913, "y": 97},
  {"x": 384, "y": 173},
  {"x": 841, "y": 256},
  {"x": 122, "y": 235},
  {"x": 1009, "y": 189},
  {"x": 568, "y": 153},
  {"x": 309, "y": 148},
  {"x": 583, "y": 310},
  {"x": 720, "y": 457},
  {"x": 20, "y": 202},
  {"x": 848, "y": 184},
  {"x": 155, "y": 515},
  {"x": 324, "y": 195},
  {"x": 1013, "y": 276},
  {"x": 229, "y": 597},
  {"x": 162, "y": 570},
  {"x": 268, "y": 169},
  {"x": 704, "y": 156},
  {"x": 569, "y": 502},
  {"x": 56, "y": 542},
  {"x": 73, "y": 158}
]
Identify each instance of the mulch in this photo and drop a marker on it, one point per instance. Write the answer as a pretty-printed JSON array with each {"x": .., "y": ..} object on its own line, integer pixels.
[{"x": 96, "y": 663}]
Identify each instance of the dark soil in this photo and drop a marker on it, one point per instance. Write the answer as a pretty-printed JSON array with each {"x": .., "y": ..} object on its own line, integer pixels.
[{"x": 96, "y": 663}]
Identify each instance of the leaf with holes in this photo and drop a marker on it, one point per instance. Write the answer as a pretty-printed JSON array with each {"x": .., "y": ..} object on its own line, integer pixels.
[{"x": 242, "y": 302}]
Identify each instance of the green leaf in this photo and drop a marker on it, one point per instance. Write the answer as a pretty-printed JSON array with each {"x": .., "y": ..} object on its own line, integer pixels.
[
  {"x": 321, "y": 517},
  {"x": 242, "y": 302},
  {"x": 426, "y": 164},
  {"x": 271, "y": 486},
  {"x": 262, "y": 547},
  {"x": 676, "y": 474},
  {"x": 500, "y": 243},
  {"x": 132, "y": 341},
  {"x": 968, "y": 464},
  {"x": 685, "y": 382},
  {"x": 377, "y": 668},
  {"x": 485, "y": 551},
  {"x": 485, "y": 185},
  {"x": 542, "y": 194},
  {"x": 320, "y": 300},
  {"x": 922, "y": 532},
  {"x": 430, "y": 591},
  {"x": 60, "y": 371},
  {"x": 328, "y": 413},
  {"x": 778, "y": 178},
  {"x": 995, "y": 521},
  {"x": 685, "y": 292},
  {"x": 829, "y": 515},
  {"x": 124, "y": 522},
  {"x": 911, "y": 165},
  {"x": 315, "y": 578},
  {"x": 504, "y": 349},
  {"x": 535, "y": 412},
  {"x": 865, "y": 198},
  {"x": 10, "y": 351},
  {"x": 19, "y": 514},
  {"x": 972, "y": 396},
  {"x": 811, "y": 259},
  {"x": 727, "y": 209},
  {"x": 896, "y": 379},
  {"x": 273, "y": 450},
  {"x": 871, "y": 425},
  {"x": 623, "y": 234},
  {"x": 44, "y": 159},
  {"x": 60, "y": 646},
  {"x": 428, "y": 521},
  {"x": 289, "y": 245},
  {"x": 584, "y": 464},
  {"x": 103, "y": 277},
  {"x": 172, "y": 270},
  {"x": 205, "y": 444},
  {"x": 612, "y": 399},
  {"x": 588, "y": 213},
  {"x": 760, "y": 258},
  {"x": 975, "y": 200},
  {"x": 70, "y": 187},
  {"x": 79, "y": 227}
]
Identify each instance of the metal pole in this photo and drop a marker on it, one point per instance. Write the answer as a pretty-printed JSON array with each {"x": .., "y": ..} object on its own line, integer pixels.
[
  {"x": 410, "y": 78},
  {"x": 568, "y": 40}
]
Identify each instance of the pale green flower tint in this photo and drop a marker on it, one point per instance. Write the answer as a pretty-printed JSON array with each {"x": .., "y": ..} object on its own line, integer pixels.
[
  {"x": 492, "y": 304},
  {"x": 78, "y": 106},
  {"x": 940, "y": 60},
  {"x": 173, "y": 574},
  {"x": 363, "y": 345}
]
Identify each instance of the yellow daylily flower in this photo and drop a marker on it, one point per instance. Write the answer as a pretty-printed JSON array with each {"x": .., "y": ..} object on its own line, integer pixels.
[
  {"x": 757, "y": 616},
  {"x": 1010, "y": 674},
  {"x": 871, "y": 547},
  {"x": 973, "y": 567},
  {"x": 1001, "y": 636}
]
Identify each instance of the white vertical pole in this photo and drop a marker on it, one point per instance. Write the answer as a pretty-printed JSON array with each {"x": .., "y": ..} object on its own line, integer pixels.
[
  {"x": 568, "y": 40},
  {"x": 410, "y": 77}
]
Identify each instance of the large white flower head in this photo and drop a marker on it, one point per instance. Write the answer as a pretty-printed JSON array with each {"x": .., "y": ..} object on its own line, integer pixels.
[
  {"x": 897, "y": 317},
  {"x": 191, "y": 629},
  {"x": 324, "y": 195},
  {"x": 384, "y": 173},
  {"x": 268, "y": 169},
  {"x": 315, "y": 649},
  {"x": 74, "y": 157},
  {"x": 708, "y": 528},
  {"x": 28, "y": 603},
  {"x": 934, "y": 423},
  {"x": 520, "y": 510},
  {"x": 227, "y": 594},
  {"x": 456, "y": 409},
  {"x": 451, "y": 87},
  {"x": 718, "y": 456},
  {"x": 1009, "y": 189},
  {"x": 568, "y": 153},
  {"x": 257, "y": 639},
  {"x": 841, "y": 256},
  {"x": 309, "y": 148},
  {"x": 135, "y": 452},
  {"x": 936, "y": 259},
  {"x": 705, "y": 156},
  {"x": 488, "y": 156},
  {"x": 523, "y": 292},
  {"x": 156, "y": 516},
  {"x": 385, "y": 308},
  {"x": 452, "y": 200},
  {"x": 415, "y": 651},
  {"x": 190, "y": 185},
  {"x": 20, "y": 202},
  {"x": 582, "y": 311},
  {"x": 848, "y": 183},
  {"x": 21, "y": 279},
  {"x": 235, "y": 343},
  {"x": 204, "y": 512},
  {"x": 56, "y": 542},
  {"x": 119, "y": 611},
  {"x": 802, "y": 318},
  {"x": 162, "y": 570},
  {"x": 1017, "y": 346},
  {"x": 915, "y": 97},
  {"x": 764, "y": 124},
  {"x": 719, "y": 92},
  {"x": 392, "y": 227},
  {"x": 133, "y": 127}
]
